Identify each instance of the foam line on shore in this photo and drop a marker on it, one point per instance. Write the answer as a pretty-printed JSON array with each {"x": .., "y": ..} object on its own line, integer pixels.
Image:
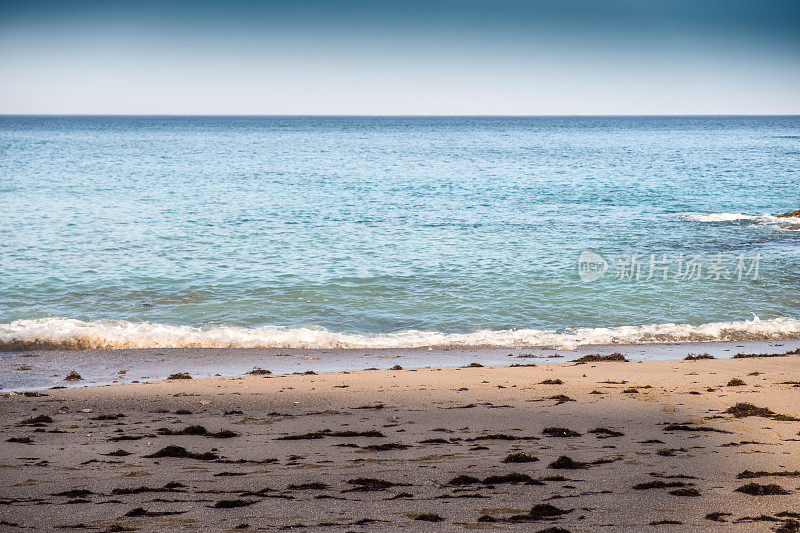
[{"x": 71, "y": 334}]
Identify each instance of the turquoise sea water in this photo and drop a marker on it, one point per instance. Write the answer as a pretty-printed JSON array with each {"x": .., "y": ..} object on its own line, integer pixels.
[{"x": 355, "y": 231}]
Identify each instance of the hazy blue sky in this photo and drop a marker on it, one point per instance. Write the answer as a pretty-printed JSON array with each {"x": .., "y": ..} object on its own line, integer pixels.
[{"x": 400, "y": 57}]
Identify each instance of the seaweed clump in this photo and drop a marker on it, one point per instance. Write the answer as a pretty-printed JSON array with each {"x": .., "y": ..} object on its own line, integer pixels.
[
  {"x": 520, "y": 457},
  {"x": 541, "y": 511},
  {"x": 698, "y": 357},
  {"x": 182, "y": 453},
  {"x": 597, "y": 358},
  {"x": 743, "y": 409},
  {"x": 757, "y": 489}
]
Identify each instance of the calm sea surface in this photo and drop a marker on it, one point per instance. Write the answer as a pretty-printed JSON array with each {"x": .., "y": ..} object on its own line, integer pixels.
[{"x": 326, "y": 232}]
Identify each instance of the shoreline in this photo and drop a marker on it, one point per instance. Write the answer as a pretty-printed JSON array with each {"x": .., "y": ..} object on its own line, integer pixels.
[
  {"x": 44, "y": 369},
  {"x": 649, "y": 445}
]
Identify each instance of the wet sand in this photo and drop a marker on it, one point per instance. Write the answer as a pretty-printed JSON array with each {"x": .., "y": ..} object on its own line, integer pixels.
[
  {"x": 40, "y": 369},
  {"x": 605, "y": 446}
]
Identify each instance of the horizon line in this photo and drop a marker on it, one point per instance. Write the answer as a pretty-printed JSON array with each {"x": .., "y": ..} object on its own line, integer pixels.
[{"x": 356, "y": 115}]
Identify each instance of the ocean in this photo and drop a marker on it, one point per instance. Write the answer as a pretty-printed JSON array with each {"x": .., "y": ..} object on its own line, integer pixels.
[{"x": 390, "y": 232}]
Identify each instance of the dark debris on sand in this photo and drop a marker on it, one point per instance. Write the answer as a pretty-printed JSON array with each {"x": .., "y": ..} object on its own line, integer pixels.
[
  {"x": 36, "y": 421},
  {"x": 438, "y": 441},
  {"x": 747, "y": 474},
  {"x": 375, "y": 406},
  {"x": 329, "y": 433},
  {"x": 388, "y": 446},
  {"x": 541, "y": 511},
  {"x": 499, "y": 436},
  {"x": 750, "y": 355},
  {"x": 670, "y": 452},
  {"x": 141, "y": 511},
  {"x": 561, "y": 398},
  {"x": 108, "y": 417},
  {"x": 365, "y": 484},
  {"x": 789, "y": 526},
  {"x": 743, "y": 409},
  {"x": 698, "y": 357},
  {"x": 658, "y": 484},
  {"x": 597, "y": 358},
  {"x": 692, "y": 428},
  {"x": 232, "y": 504},
  {"x": 756, "y": 489},
  {"x": 183, "y": 453},
  {"x": 560, "y": 432},
  {"x": 173, "y": 486},
  {"x": 74, "y": 493},
  {"x": 605, "y": 433},
  {"x": 567, "y": 463},
  {"x": 20, "y": 440},
  {"x": 198, "y": 430},
  {"x": 519, "y": 457},
  {"x": 512, "y": 477},
  {"x": 685, "y": 492},
  {"x": 429, "y": 517},
  {"x": 463, "y": 480}
]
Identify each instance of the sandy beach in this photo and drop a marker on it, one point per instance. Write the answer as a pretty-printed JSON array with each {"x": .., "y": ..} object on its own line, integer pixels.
[
  {"x": 348, "y": 266},
  {"x": 598, "y": 446}
]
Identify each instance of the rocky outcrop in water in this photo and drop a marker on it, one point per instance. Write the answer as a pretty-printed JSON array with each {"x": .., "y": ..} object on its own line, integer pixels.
[{"x": 792, "y": 214}]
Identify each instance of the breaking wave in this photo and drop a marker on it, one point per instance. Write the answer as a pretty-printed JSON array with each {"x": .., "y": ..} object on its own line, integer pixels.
[
  {"x": 71, "y": 334},
  {"x": 721, "y": 217},
  {"x": 788, "y": 223}
]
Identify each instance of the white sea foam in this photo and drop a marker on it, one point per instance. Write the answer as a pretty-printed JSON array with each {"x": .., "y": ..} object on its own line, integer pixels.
[
  {"x": 70, "y": 334},
  {"x": 786, "y": 223},
  {"x": 721, "y": 217}
]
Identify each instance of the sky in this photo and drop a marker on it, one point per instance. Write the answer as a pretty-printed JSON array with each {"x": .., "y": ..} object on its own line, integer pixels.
[{"x": 403, "y": 57}]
